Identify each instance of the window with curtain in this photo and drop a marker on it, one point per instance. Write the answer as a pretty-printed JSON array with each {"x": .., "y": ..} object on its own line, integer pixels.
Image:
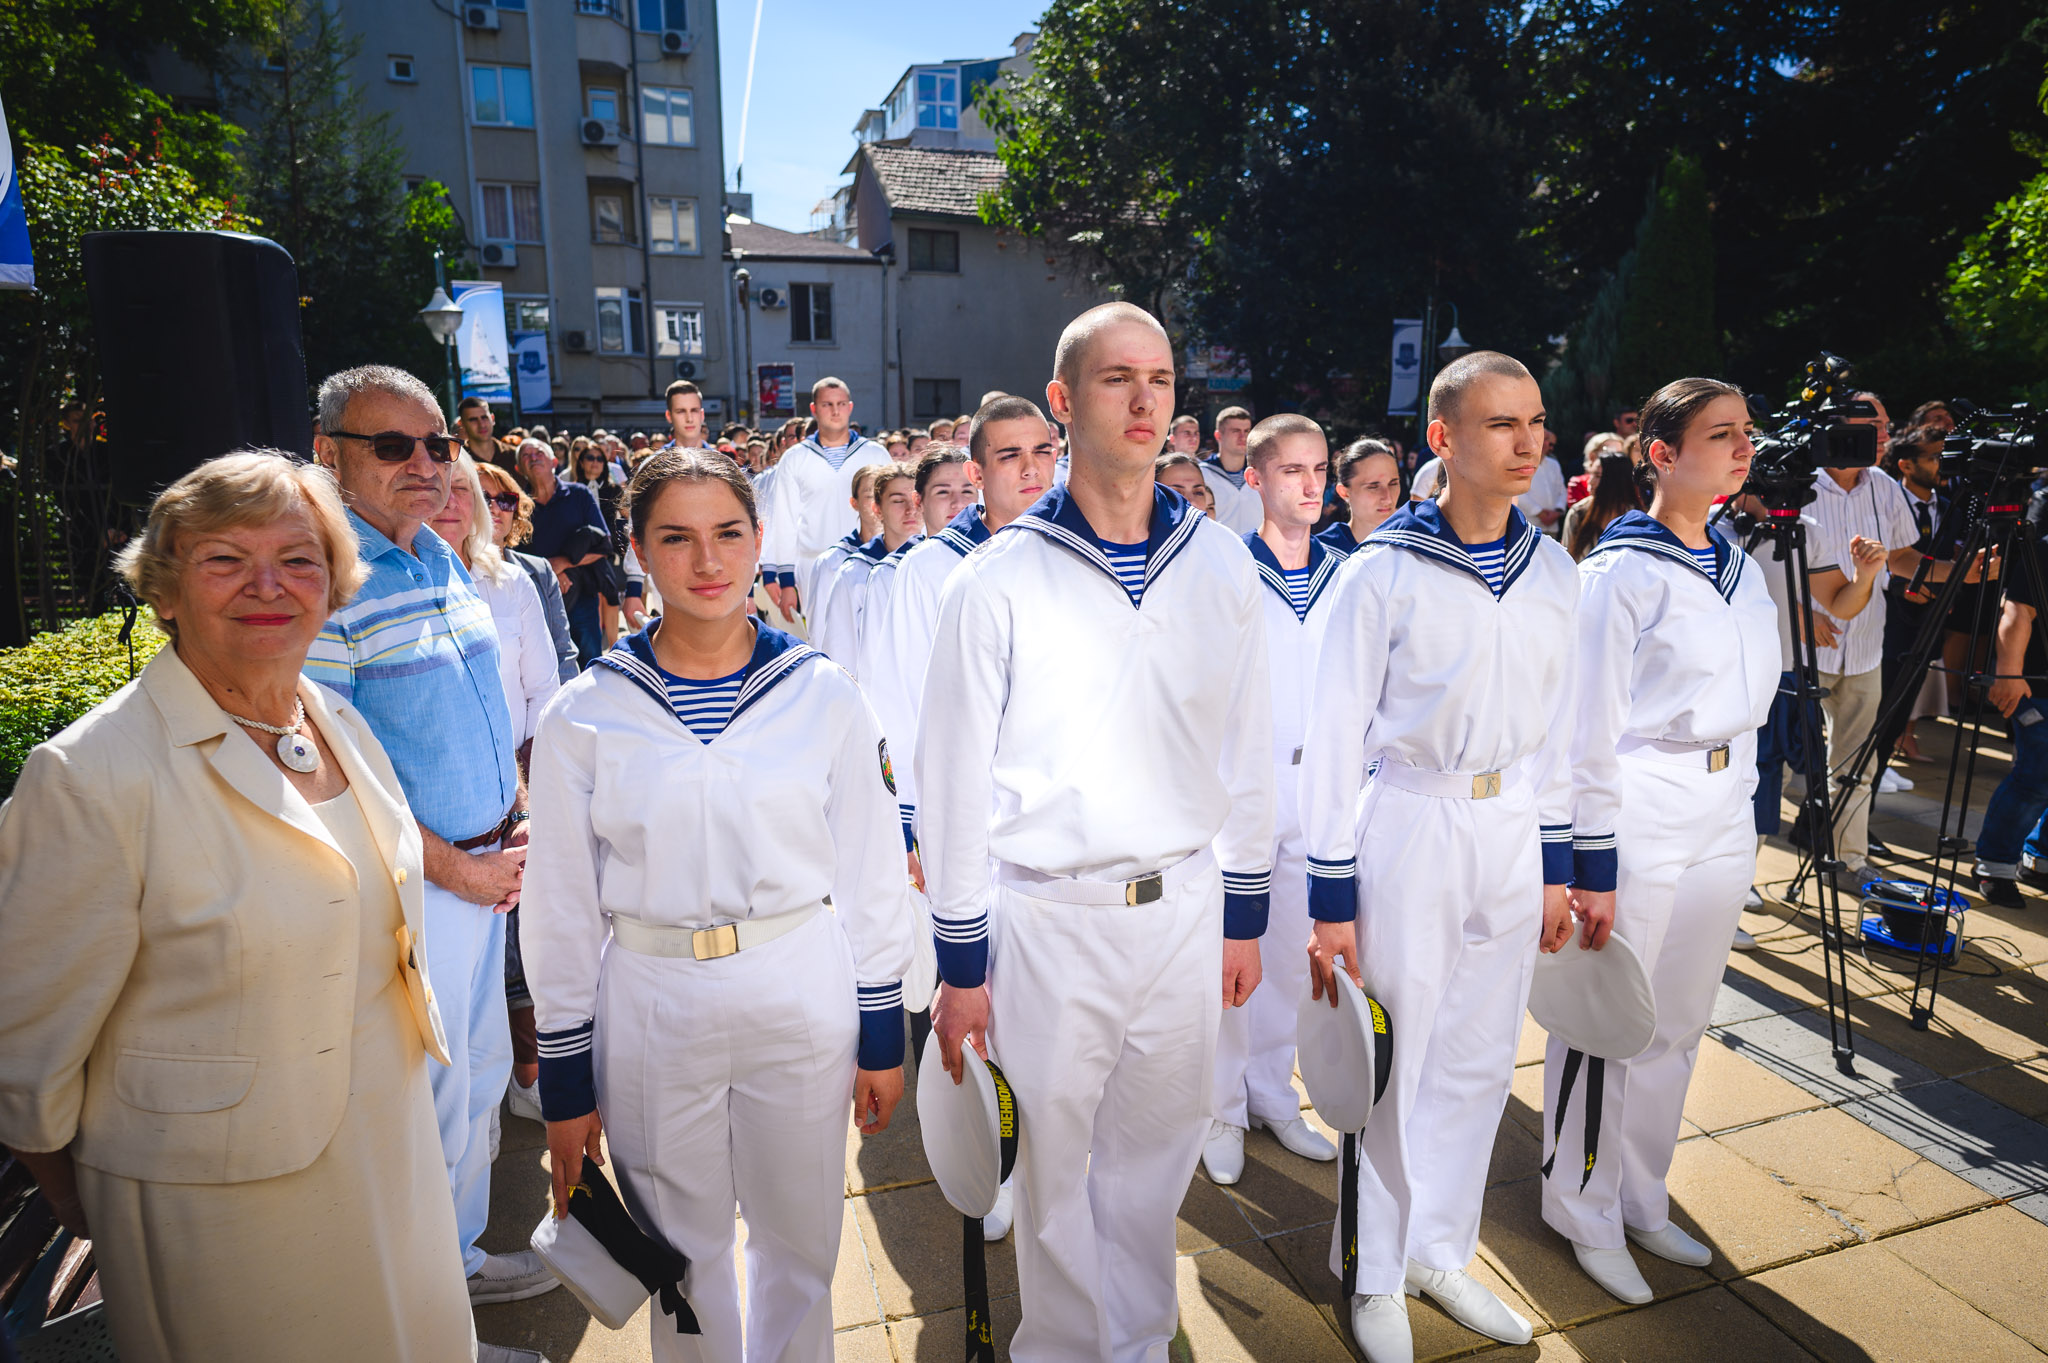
[
  {"x": 672, "y": 225},
  {"x": 511, "y": 212},
  {"x": 665, "y": 117}
]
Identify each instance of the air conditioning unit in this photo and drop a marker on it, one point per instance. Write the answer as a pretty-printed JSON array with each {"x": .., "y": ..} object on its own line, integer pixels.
[
  {"x": 501, "y": 255},
  {"x": 686, "y": 369},
  {"x": 598, "y": 133},
  {"x": 772, "y": 298},
  {"x": 577, "y": 342},
  {"x": 675, "y": 43},
  {"x": 483, "y": 17}
]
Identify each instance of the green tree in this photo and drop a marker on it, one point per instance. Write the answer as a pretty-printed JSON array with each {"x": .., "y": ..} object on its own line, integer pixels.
[
  {"x": 1998, "y": 293},
  {"x": 1296, "y": 186},
  {"x": 59, "y": 504},
  {"x": 326, "y": 178},
  {"x": 75, "y": 75},
  {"x": 1666, "y": 327}
]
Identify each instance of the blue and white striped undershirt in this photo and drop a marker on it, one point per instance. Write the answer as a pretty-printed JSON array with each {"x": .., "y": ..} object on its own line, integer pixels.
[
  {"x": 704, "y": 707},
  {"x": 1493, "y": 562},
  {"x": 835, "y": 455},
  {"x": 1703, "y": 557},
  {"x": 1129, "y": 562},
  {"x": 1297, "y": 590}
]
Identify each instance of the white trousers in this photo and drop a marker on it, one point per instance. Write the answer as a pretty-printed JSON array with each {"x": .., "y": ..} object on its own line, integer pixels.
[
  {"x": 1104, "y": 1019},
  {"x": 1687, "y": 852},
  {"x": 1450, "y": 906},
  {"x": 466, "y": 967},
  {"x": 1255, "y": 1043},
  {"x": 729, "y": 1083}
]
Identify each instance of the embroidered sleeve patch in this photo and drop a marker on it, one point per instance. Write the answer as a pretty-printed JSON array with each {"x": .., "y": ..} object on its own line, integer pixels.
[{"x": 888, "y": 772}]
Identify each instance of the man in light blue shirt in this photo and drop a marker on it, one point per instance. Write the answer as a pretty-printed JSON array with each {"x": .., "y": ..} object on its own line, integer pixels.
[{"x": 415, "y": 652}]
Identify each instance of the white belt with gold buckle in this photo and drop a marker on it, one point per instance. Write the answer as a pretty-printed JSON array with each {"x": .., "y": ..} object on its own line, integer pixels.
[{"x": 705, "y": 944}]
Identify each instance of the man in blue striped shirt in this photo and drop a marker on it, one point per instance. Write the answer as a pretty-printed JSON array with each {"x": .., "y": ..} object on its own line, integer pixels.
[{"x": 415, "y": 652}]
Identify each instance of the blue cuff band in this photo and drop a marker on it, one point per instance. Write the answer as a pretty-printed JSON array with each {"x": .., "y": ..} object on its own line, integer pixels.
[
  {"x": 881, "y": 1026},
  {"x": 909, "y": 815},
  {"x": 568, "y": 1081},
  {"x": 1332, "y": 899},
  {"x": 1557, "y": 863},
  {"x": 1594, "y": 869},
  {"x": 962, "y": 945},
  {"x": 1244, "y": 915},
  {"x": 786, "y": 578}
]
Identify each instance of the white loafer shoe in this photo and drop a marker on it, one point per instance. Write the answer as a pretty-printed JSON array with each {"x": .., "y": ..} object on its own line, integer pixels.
[
  {"x": 1743, "y": 941},
  {"x": 1301, "y": 1138},
  {"x": 510, "y": 1277},
  {"x": 1223, "y": 1153},
  {"x": 524, "y": 1102},
  {"x": 1673, "y": 1244},
  {"x": 1615, "y": 1270},
  {"x": 996, "y": 1224},
  {"x": 1468, "y": 1302},
  {"x": 1380, "y": 1325}
]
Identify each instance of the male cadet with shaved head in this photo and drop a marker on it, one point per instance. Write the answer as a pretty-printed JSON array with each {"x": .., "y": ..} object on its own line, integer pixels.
[
  {"x": 1448, "y": 660},
  {"x": 1096, "y": 723}
]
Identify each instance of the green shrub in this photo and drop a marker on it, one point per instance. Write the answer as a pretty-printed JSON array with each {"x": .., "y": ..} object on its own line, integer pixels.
[{"x": 59, "y": 676}]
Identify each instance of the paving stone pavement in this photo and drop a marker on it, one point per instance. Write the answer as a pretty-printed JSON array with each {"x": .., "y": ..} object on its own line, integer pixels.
[{"x": 1899, "y": 1212}]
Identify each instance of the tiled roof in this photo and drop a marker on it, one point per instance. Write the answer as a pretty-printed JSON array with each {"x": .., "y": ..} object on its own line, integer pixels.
[
  {"x": 946, "y": 182},
  {"x": 759, "y": 239}
]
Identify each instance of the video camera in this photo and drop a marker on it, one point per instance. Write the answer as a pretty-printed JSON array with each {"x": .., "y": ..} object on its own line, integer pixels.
[
  {"x": 1993, "y": 455},
  {"x": 1824, "y": 429}
]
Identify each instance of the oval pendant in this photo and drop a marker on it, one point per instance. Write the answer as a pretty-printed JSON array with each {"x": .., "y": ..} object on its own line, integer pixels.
[{"x": 297, "y": 753}]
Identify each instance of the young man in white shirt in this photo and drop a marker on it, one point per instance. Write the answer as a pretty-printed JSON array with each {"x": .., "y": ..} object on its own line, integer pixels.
[
  {"x": 1237, "y": 506},
  {"x": 1436, "y": 802},
  {"x": 686, "y": 432},
  {"x": 1544, "y": 503},
  {"x": 808, "y": 507},
  {"x": 1288, "y": 468},
  {"x": 1096, "y": 724}
]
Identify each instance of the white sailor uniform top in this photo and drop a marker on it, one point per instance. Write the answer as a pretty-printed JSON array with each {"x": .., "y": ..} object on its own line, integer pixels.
[
  {"x": 809, "y": 505},
  {"x": 637, "y": 813},
  {"x": 1297, "y": 612},
  {"x": 1669, "y": 653},
  {"x": 1427, "y": 663},
  {"x": 1069, "y": 731},
  {"x": 896, "y": 647}
]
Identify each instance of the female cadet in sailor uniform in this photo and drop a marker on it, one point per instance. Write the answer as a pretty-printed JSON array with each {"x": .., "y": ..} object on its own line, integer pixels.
[
  {"x": 715, "y": 995},
  {"x": 1678, "y": 662},
  {"x": 837, "y": 628}
]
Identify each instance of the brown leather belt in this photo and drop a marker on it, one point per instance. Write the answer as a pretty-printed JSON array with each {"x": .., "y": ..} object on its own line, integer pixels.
[{"x": 497, "y": 834}]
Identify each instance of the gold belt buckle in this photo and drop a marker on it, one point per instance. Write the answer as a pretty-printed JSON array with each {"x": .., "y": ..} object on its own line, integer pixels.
[
  {"x": 1144, "y": 890},
  {"x": 708, "y": 944},
  {"x": 1486, "y": 785},
  {"x": 1717, "y": 758}
]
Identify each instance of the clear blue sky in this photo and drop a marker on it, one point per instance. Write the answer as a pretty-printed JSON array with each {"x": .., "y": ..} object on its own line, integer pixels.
[{"x": 823, "y": 61}]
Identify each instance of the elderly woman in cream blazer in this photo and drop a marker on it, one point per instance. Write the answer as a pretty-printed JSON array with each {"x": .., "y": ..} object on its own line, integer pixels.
[{"x": 214, "y": 1012}]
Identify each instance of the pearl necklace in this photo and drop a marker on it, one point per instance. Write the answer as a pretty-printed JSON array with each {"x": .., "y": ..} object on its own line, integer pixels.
[{"x": 292, "y": 750}]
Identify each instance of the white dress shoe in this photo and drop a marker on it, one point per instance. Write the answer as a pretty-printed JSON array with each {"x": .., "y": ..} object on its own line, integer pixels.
[
  {"x": 996, "y": 1224},
  {"x": 510, "y": 1277},
  {"x": 1223, "y": 1153},
  {"x": 1752, "y": 900},
  {"x": 1616, "y": 1271},
  {"x": 499, "y": 1353},
  {"x": 1380, "y": 1325},
  {"x": 524, "y": 1102},
  {"x": 1673, "y": 1244},
  {"x": 1468, "y": 1302},
  {"x": 1304, "y": 1140},
  {"x": 1743, "y": 941}
]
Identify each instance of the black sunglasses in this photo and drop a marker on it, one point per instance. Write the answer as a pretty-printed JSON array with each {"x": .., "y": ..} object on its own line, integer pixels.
[
  {"x": 395, "y": 447},
  {"x": 504, "y": 501}
]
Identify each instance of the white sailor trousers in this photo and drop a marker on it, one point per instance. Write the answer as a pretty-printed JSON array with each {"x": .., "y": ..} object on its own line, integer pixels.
[
  {"x": 1687, "y": 847},
  {"x": 1450, "y": 907},
  {"x": 1255, "y": 1043},
  {"x": 726, "y": 1083},
  {"x": 1104, "y": 1020}
]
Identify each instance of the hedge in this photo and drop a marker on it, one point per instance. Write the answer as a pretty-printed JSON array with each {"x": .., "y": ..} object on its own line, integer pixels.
[{"x": 57, "y": 677}]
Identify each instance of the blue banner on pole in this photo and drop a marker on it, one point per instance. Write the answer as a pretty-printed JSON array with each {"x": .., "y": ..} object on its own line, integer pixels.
[
  {"x": 480, "y": 344},
  {"x": 17, "y": 261},
  {"x": 1404, "y": 390},
  {"x": 530, "y": 367}
]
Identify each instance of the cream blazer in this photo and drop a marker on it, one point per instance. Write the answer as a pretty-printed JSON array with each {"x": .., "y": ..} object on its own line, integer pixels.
[{"x": 177, "y": 993}]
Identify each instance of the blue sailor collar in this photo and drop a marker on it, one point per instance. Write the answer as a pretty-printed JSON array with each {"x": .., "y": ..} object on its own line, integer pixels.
[
  {"x": 875, "y": 548},
  {"x": 1339, "y": 538},
  {"x": 850, "y": 541},
  {"x": 896, "y": 555},
  {"x": 1641, "y": 530},
  {"x": 1056, "y": 517},
  {"x": 965, "y": 531},
  {"x": 1421, "y": 526},
  {"x": 776, "y": 656},
  {"x": 1322, "y": 566}
]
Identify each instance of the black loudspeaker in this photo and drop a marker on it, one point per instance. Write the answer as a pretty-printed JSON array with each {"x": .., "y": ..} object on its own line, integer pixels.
[{"x": 198, "y": 339}]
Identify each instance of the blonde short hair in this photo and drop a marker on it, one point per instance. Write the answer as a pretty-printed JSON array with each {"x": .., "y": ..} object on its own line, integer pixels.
[
  {"x": 477, "y": 545},
  {"x": 248, "y": 488},
  {"x": 522, "y": 520}
]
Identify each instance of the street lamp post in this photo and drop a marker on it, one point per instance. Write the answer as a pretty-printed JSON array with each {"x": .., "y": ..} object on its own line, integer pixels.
[
  {"x": 1448, "y": 349},
  {"x": 442, "y": 316},
  {"x": 743, "y": 280}
]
